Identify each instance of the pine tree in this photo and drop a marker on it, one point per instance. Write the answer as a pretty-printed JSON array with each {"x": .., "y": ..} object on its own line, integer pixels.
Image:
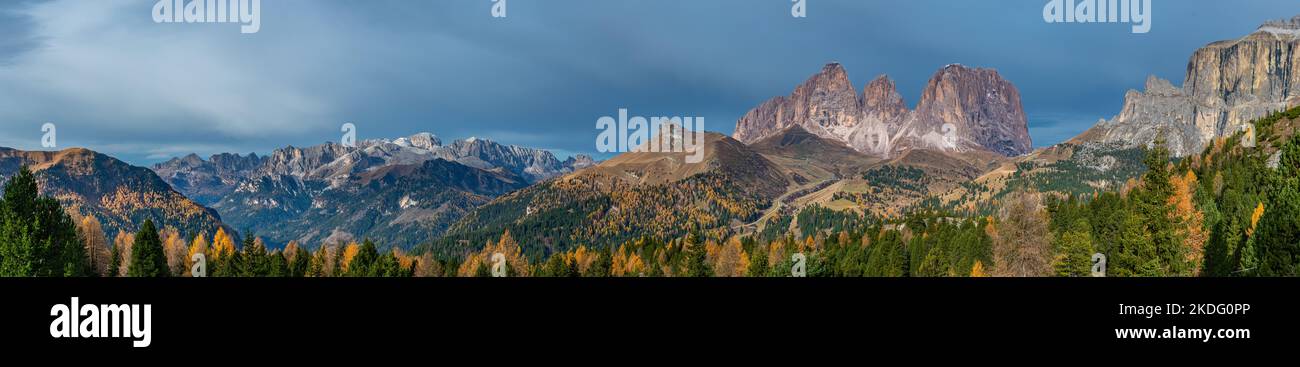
[
  {"x": 361, "y": 263},
  {"x": 555, "y": 267},
  {"x": 147, "y": 258},
  {"x": 1153, "y": 203},
  {"x": 300, "y": 261},
  {"x": 252, "y": 259},
  {"x": 1074, "y": 251},
  {"x": 114, "y": 263},
  {"x": 757, "y": 263},
  {"x": 697, "y": 263},
  {"x": 603, "y": 266},
  {"x": 37, "y": 237},
  {"x": 1133, "y": 249},
  {"x": 277, "y": 265},
  {"x": 1277, "y": 236},
  {"x": 1247, "y": 258},
  {"x": 1219, "y": 250}
]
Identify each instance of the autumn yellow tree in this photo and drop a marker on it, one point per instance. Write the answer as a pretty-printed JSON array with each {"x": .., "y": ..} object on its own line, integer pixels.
[
  {"x": 290, "y": 251},
  {"x": 96, "y": 243},
  {"x": 349, "y": 252},
  {"x": 427, "y": 266},
  {"x": 515, "y": 261},
  {"x": 175, "y": 250},
  {"x": 198, "y": 246},
  {"x": 222, "y": 245},
  {"x": 730, "y": 259},
  {"x": 122, "y": 243},
  {"x": 1022, "y": 247},
  {"x": 627, "y": 263},
  {"x": 776, "y": 251},
  {"x": 1185, "y": 211},
  {"x": 583, "y": 258},
  {"x": 1254, "y": 219},
  {"x": 977, "y": 271}
]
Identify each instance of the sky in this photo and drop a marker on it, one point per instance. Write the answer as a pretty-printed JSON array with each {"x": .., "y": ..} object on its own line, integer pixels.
[{"x": 114, "y": 81}]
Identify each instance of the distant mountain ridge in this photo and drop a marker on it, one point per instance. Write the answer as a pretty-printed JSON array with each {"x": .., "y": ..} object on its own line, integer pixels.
[
  {"x": 401, "y": 191},
  {"x": 119, "y": 195}
]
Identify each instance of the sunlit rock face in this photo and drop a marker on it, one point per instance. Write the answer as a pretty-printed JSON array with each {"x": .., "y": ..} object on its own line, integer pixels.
[
  {"x": 1228, "y": 84},
  {"x": 961, "y": 109}
]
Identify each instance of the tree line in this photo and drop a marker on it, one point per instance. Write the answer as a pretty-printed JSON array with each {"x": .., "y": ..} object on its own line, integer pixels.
[{"x": 1233, "y": 210}]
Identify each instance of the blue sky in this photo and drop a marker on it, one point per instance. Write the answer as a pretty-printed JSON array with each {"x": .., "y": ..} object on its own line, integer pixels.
[{"x": 114, "y": 81}]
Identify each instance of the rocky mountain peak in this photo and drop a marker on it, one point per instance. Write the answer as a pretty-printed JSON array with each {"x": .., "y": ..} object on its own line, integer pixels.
[
  {"x": 983, "y": 107},
  {"x": 828, "y": 101},
  {"x": 1282, "y": 26},
  {"x": 427, "y": 141},
  {"x": 880, "y": 99},
  {"x": 579, "y": 161},
  {"x": 1161, "y": 87},
  {"x": 1228, "y": 84}
]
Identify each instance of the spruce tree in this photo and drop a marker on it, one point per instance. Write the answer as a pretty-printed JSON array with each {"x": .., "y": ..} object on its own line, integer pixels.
[
  {"x": 757, "y": 263},
  {"x": 37, "y": 237},
  {"x": 147, "y": 258},
  {"x": 1152, "y": 203},
  {"x": 277, "y": 265},
  {"x": 697, "y": 265},
  {"x": 114, "y": 262},
  {"x": 363, "y": 263},
  {"x": 253, "y": 260},
  {"x": 301, "y": 262},
  {"x": 1277, "y": 235},
  {"x": 1074, "y": 251},
  {"x": 1218, "y": 251}
]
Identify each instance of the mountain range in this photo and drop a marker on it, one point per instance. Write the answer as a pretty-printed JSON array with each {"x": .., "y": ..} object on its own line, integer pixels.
[
  {"x": 962, "y": 147},
  {"x": 398, "y": 191}
]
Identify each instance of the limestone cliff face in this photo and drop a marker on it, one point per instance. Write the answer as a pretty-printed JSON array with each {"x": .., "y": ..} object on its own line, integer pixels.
[
  {"x": 1228, "y": 84},
  {"x": 825, "y": 104},
  {"x": 881, "y": 101},
  {"x": 983, "y": 108},
  {"x": 1162, "y": 111},
  {"x": 962, "y": 109}
]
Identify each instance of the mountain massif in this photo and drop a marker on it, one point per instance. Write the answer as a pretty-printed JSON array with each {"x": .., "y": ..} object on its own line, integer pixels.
[
  {"x": 961, "y": 109},
  {"x": 1228, "y": 84}
]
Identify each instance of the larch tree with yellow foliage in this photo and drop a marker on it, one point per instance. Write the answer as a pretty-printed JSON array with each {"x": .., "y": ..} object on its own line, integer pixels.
[{"x": 730, "y": 259}]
